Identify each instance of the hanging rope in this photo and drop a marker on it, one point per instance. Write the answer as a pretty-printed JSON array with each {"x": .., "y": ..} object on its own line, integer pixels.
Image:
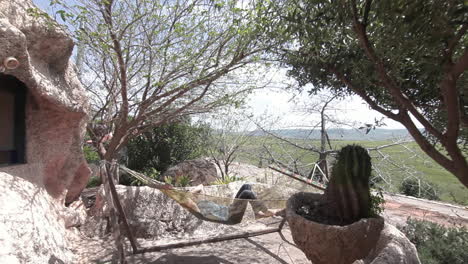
[{"x": 184, "y": 196}]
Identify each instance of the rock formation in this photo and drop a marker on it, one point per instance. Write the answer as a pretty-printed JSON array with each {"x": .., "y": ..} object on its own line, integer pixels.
[
  {"x": 54, "y": 169},
  {"x": 200, "y": 171},
  {"x": 392, "y": 247}
]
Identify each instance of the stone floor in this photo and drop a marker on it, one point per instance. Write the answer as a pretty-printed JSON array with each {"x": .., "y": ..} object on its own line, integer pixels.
[{"x": 268, "y": 248}]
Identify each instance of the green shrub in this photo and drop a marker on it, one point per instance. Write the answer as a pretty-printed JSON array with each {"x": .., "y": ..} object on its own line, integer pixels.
[
  {"x": 93, "y": 181},
  {"x": 437, "y": 244},
  {"x": 410, "y": 187},
  {"x": 166, "y": 146},
  {"x": 227, "y": 179},
  {"x": 418, "y": 188},
  {"x": 90, "y": 154},
  {"x": 377, "y": 202},
  {"x": 183, "y": 181},
  {"x": 169, "y": 180}
]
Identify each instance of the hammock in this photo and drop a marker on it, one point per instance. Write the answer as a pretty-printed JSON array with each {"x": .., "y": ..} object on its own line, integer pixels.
[{"x": 222, "y": 210}]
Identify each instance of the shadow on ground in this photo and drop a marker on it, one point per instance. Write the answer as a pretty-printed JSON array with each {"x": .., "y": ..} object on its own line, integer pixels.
[{"x": 175, "y": 259}]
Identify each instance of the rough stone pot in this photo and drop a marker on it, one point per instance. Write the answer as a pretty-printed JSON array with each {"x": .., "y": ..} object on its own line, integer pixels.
[{"x": 327, "y": 244}]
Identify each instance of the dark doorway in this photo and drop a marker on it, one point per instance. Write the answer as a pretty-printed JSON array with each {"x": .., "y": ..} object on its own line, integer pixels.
[{"x": 12, "y": 120}]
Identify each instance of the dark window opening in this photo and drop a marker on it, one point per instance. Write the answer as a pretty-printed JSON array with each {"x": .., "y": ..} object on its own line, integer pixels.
[{"x": 12, "y": 120}]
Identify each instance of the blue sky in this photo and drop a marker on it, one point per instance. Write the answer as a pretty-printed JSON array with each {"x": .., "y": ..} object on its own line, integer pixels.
[{"x": 42, "y": 4}]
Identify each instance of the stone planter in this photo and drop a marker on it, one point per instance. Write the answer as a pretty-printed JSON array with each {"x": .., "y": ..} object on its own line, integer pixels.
[{"x": 331, "y": 243}]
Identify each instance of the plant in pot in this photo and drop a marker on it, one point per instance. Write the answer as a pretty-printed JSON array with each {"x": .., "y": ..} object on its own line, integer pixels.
[{"x": 338, "y": 226}]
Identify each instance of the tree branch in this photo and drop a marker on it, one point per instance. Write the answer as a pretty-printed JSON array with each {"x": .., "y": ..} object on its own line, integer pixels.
[
  {"x": 455, "y": 41},
  {"x": 346, "y": 81},
  {"x": 401, "y": 99}
]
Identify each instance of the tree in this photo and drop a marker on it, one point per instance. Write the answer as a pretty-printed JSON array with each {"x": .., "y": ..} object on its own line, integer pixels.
[
  {"x": 146, "y": 63},
  {"x": 407, "y": 59},
  {"x": 229, "y": 134},
  {"x": 293, "y": 153},
  {"x": 321, "y": 105},
  {"x": 166, "y": 145}
]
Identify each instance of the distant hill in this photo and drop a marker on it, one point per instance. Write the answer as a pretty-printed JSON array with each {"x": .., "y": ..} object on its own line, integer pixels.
[{"x": 340, "y": 134}]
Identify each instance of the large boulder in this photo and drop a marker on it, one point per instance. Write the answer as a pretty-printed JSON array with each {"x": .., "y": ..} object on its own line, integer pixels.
[
  {"x": 32, "y": 227},
  {"x": 368, "y": 240},
  {"x": 392, "y": 247},
  {"x": 199, "y": 171},
  {"x": 33, "y": 193}
]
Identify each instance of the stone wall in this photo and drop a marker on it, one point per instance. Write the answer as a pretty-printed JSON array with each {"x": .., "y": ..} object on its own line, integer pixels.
[{"x": 55, "y": 171}]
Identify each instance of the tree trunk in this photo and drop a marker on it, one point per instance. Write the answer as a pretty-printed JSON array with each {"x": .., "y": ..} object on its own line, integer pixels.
[
  {"x": 322, "y": 162},
  {"x": 323, "y": 165},
  {"x": 113, "y": 215}
]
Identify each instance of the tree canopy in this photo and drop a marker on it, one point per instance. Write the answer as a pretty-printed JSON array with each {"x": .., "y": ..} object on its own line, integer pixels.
[
  {"x": 167, "y": 145},
  {"x": 407, "y": 59},
  {"x": 146, "y": 63}
]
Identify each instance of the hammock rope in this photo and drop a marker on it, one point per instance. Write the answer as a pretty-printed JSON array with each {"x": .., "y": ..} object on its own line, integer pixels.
[
  {"x": 222, "y": 210},
  {"x": 119, "y": 219}
]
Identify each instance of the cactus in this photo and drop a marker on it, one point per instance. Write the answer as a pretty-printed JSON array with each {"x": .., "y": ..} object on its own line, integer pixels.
[{"x": 348, "y": 193}]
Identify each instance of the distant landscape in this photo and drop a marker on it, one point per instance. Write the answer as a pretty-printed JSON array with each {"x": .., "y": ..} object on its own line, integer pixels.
[
  {"x": 378, "y": 134},
  {"x": 394, "y": 163}
]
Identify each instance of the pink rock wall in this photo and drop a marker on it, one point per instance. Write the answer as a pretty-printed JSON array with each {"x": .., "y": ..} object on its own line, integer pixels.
[
  {"x": 55, "y": 104},
  {"x": 32, "y": 195}
]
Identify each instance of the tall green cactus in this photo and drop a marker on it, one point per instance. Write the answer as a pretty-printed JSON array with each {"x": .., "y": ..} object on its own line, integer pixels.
[{"x": 348, "y": 192}]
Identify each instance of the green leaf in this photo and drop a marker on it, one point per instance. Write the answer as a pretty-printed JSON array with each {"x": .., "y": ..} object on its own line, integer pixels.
[{"x": 63, "y": 15}]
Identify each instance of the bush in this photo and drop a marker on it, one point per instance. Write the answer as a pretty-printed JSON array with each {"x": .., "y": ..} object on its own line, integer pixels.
[
  {"x": 182, "y": 181},
  {"x": 437, "y": 244},
  {"x": 166, "y": 146},
  {"x": 93, "y": 181},
  {"x": 418, "y": 188},
  {"x": 227, "y": 179},
  {"x": 90, "y": 154},
  {"x": 377, "y": 203}
]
